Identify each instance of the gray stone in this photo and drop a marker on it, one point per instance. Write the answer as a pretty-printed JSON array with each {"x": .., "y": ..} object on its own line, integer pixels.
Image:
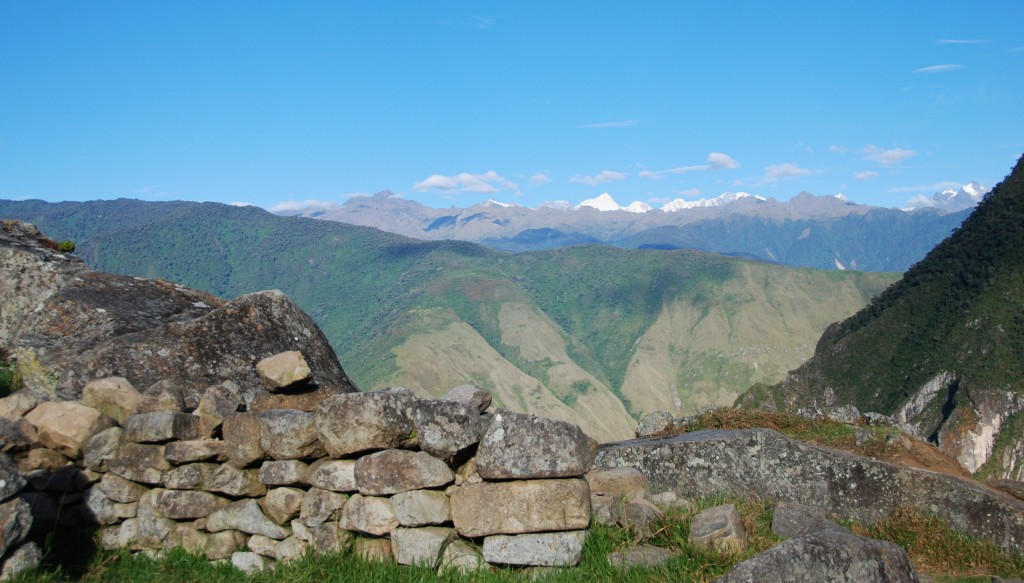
[
  {"x": 12, "y": 437},
  {"x": 291, "y": 549},
  {"x": 15, "y": 523},
  {"x": 370, "y": 514},
  {"x": 115, "y": 397},
  {"x": 283, "y": 504},
  {"x": 302, "y": 398},
  {"x": 290, "y": 435},
  {"x": 245, "y": 516},
  {"x": 519, "y": 446},
  {"x": 1011, "y": 487},
  {"x": 471, "y": 395},
  {"x": 334, "y": 475},
  {"x": 843, "y": 414},
  {"x": 101, "y": 449},
  {"x": 358, "y": 422},
  {"x": 262, "y": 545},
  {"x": 373, "y": 549},
  {"x": 66, "y": 426},
  {"x": 625, "y": 483},
  {"x": 215, "y": 404},
  {"x": 396, "y": 470},
  {"x": 320, "y": 506},
  {"x": 790, "y": 520},
  {"x": 460, "y": 556},
  {"x": 197, "y": 450},
  {"x": 234, "y": 482},
  {"x": 17, "y": 405},
  {"x": 329, "y": 538},
  {"x": 422, "y": 507},
  {"x": 719, "y": 528},
  {"x": 444, "y": 428},
  {"x": 302, "y": 531},
  {"x": 639, "y": 516},
  {"x": 826, "y": 555},
  {"x": 419, "y": 546},
  {"x": 248, "y": 563},
  {"x": 161, "y": 427},
  {"x": 763, "y": 463},
  {"x": 150, "y": 530},
  {"x": 605, "y": 509},
  {"x": 521, "y": 507},
  {"x": 282, "y": 370},
  {"x": 549, "y": 549},
  {"x": 10, "y": 478},
  {"x": 186, "y": 536},
  {"x": 241, "y": 433},
  {"x": 655, "y": 423},
  {"x": 121, "y": 490},
  {"x": 641, "y": 556},
  {"x": 41, "y": 459},
  {"x": 139, "y": 462},
  {"x": 283, "y": 473},
  {"x": 190, "y": 476},
  {"x": 25, "y": 557},
  {"x": 187, "y": 504},
  {"x": 163, "y": 395},
  {"x": 222, "y": 545}
]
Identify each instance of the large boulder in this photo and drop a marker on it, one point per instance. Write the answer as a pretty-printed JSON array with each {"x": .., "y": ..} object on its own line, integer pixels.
[
  {"x": 68, "y": 324},
  {"x": 67, "y": 426},
  {"x": 354, "y": 423},
  {"x": 521, "y": 506},
  {"x": 520, "y": 446},
  {"x": 766, "y": 464}
]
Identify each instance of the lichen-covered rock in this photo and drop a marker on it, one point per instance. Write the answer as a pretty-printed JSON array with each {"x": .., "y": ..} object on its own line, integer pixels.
[
  {"x": 520, "y": 446},
  {"x": 233, "y": 482},
  {"x": 101, "y": 449},
  {"x": 444, "y": 428},
  {"x": 119, "y": 489},
  {"x": 640, "y": 517},
  {"x": 470, "y": 395},
  {"x": 370, "y": 514},
  {"x": 196, "y": 450},
  {"x": 549, "y": 549},
  {"x": 283, "y": 473},
  {"x": 358, "y": 422},
  {"x": 719, "y": 528},
  {"x": 25, "y": 557},
  {"x": 655, "y": 423},
  {"x": 11, "y": 480},
  {"x": 396, "y": 470},
  {"x": 826, "y": 555},
  {"x": 138, "y": 462},
  {"x": 790, "y": 520},
  {"x": 329, "y": 538},
  {"x": 373, "y": 549},
  {"x": 283, "y": 504},
  {"x": 625, "y": 483},
  {"x": 161, "y": 427},
  {"x": 460, "y": 556},
  {"x": 245, "y": 516},
  {"x": 15, "y": 523},
  {"x": 768, "y": 465},
  {"x": 190, "y": 476},
  {"x": 320, "y": 506},
  {"x": 247, "y": 562},
  {"x": 187, "y": 504},
  {"x": 334, "y": 475},
  {"x": 163, "y": 395},
  {"x": 41, "y": 459},
  {"x": 419, "y": 546},
  {"x": 291, "y": 549},
  {"x": 221, "y": 545},
  {"x": 18, "y": 404},
  {"x": 115, "y": 397},
  {"x": 422, "y": 507},
  {"x": 242, "y": 433},
  {"x": 520, "y": 507},
  {"x": 12, "y": 436},
  {"x": 66, "y": 426},
  {"x": 287, "y": 434},
  {"x": 283, "y": 370},
  {"x": 215, "y": 404}
]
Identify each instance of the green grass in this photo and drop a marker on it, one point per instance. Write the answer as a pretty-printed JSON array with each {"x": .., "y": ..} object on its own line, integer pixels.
[{"x": 10, "y": 380}]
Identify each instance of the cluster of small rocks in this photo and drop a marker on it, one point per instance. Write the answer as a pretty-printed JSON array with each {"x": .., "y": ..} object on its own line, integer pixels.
[
  {"x": 16, "y": 555},
  {"x": 417, "y": 481}
]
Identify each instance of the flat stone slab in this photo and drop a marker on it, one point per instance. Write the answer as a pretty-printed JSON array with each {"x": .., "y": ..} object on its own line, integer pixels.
[
  {"x": 519, "y": 446},
  {"x": 397, "y": 470},
  {"x": 521, "y": 507},
  {"x": 549, "y": 549}
]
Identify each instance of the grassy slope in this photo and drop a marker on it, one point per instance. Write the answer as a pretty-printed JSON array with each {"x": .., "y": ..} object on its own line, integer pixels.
[{"x": 554, "y": 332}]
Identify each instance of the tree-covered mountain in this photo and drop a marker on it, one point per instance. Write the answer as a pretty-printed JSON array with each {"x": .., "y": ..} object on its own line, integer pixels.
[
  {"x": 943, "y": 348},
  {"x": 823, "y": 232},
  {"x": 591, "y": 333}
]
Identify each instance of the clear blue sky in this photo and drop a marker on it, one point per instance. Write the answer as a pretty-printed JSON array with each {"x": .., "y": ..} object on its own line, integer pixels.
[{"x": 457, "y": 102}]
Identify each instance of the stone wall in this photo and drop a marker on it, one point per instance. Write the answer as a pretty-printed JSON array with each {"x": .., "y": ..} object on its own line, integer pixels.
[{"x": 423, "y": 481}]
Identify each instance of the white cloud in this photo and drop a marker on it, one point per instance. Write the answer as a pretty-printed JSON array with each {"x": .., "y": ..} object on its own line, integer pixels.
[
  {"x": 889, "y": 157},
  {"x": 626, "y": 123},
  {"x": 539, "y": 179},
  {"x": 489, "y": 182},
  {"x": 776, "y": 172},
  {"x": 933, "y": 187},
  {"x": 866, "y": 175},
  {"x": 719, "y": 161},
  {"x": 938, "y": 68},
  {"x": 603, "y": 177},
  {"x": 837, "y": 149},
  {"x": 310, "y": 204},
  {"x": 240, "y": 203}
]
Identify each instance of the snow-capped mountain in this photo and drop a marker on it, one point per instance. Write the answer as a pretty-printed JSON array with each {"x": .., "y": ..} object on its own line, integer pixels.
[
  {"x": 721, "y": 200},
  {"x": 637, "y": 207},
  {"x": 951, "y": 199},
  {"x": 605, "y": 202}
]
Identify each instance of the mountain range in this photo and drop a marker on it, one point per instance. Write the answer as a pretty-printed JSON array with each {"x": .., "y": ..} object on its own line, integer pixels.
[
  {"x": 594, "y": 334},
  {"x": 941, "y": 349},
  {"x": 824, "y": 232}
]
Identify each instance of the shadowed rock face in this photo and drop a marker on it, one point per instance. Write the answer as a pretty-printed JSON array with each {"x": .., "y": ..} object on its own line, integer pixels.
[
  {"x": 765, "y": 464},
  {"x": 82, "y": 324}
]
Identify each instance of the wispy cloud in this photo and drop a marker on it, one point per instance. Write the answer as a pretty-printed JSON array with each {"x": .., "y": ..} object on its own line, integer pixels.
[
  {"x": 938, "y": 69},
  {"x": 716, "y": 161},
  {"x": 838, "y": 149},
  {"x": 719, "y": 161},
  {"x": 603, "y": 177},
  {"x": 866, "y": 175},
  {"x": 889, "y": 157},
  {"x": 776, "y": 172},
  {"x": 489, "y": 182},
  {"x": 310, "y": 204},
  {"x": 920, "y": 188},
  {"x": 626, "y": 123},
  {"x": 539, "y": 179},
  {"x": 961, "y": 41}
]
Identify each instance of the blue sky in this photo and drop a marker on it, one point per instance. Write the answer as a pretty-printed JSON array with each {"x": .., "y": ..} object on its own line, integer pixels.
[{"x": 452, "y": 103}]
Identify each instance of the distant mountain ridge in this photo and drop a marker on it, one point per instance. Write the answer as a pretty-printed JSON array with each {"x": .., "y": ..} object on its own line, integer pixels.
[
  {"x": 592, "y": 334},
  {"x": 823, "y": 232}
]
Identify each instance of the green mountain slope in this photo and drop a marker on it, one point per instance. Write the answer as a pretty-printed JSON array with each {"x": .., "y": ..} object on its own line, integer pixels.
[
  {"x": 592, "y": 334},
  {"x": 942, "y": 348}
]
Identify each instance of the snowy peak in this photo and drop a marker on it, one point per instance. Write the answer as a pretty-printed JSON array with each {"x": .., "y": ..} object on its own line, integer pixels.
[
  {"x": 721, "y": 200},
  {"x": 492, "y": 202},
  {"x": 637, "y": 207},
  {"x": 603, "y": 202},
  {"x": 951, "y": 199}
]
